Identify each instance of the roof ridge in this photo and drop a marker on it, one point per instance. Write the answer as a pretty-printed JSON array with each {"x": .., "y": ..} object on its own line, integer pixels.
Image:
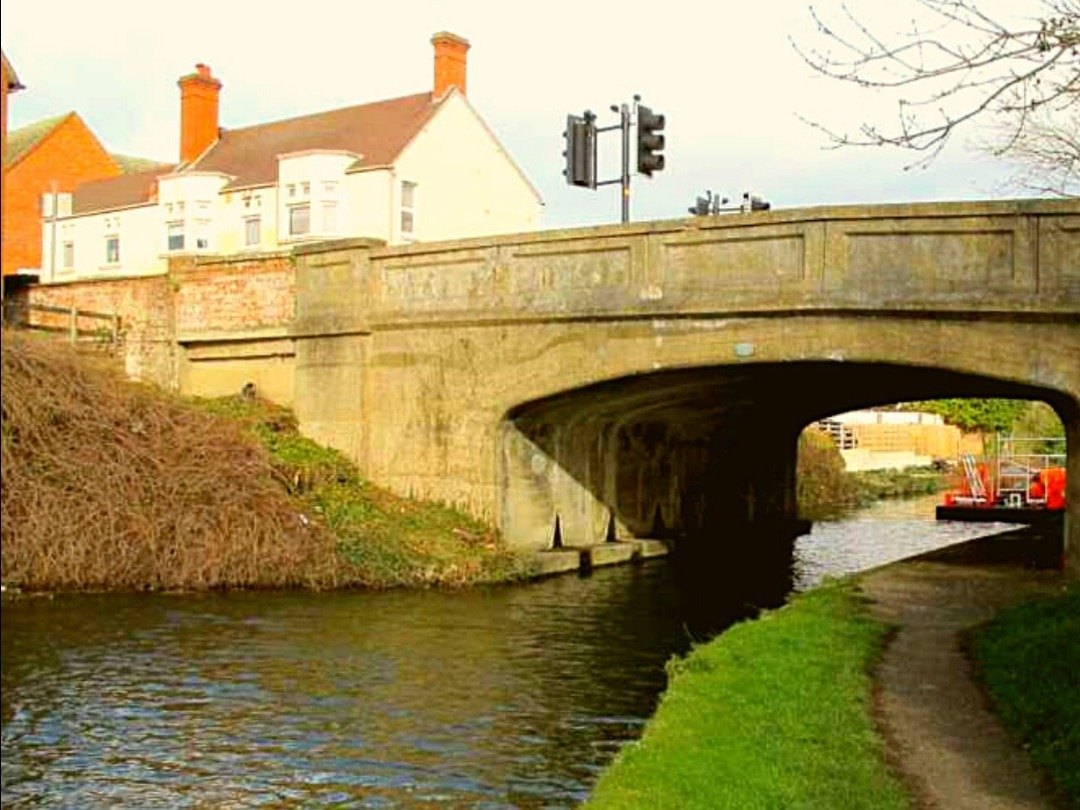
[{"x": 295, "y": 118}]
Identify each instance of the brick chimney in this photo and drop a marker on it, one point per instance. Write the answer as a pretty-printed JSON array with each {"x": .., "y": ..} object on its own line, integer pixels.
[
  {"x": 198, "y": 112},
  {"x": 450, "y": 62}
]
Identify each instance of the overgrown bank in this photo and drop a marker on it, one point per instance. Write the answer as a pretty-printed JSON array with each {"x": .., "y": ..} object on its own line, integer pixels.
[
  {"x": 825, "y": 489},
  {"x": 107, "y": 484},
  {"x": 774, "y": 712}
]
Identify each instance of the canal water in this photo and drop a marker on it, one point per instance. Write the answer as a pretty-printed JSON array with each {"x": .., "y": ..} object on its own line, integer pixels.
[{"x": 501, "y": 697}]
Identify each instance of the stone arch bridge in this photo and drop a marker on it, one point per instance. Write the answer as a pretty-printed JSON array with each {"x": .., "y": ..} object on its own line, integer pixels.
[{"x": 638, "y": 379}]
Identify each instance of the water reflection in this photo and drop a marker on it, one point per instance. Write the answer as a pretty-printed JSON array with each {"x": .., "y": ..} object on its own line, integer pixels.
[
  {"x": 503, "y": 697},
  {"x": 887, "y": 531}
]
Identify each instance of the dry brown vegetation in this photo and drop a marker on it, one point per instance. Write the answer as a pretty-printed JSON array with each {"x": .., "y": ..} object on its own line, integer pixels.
[{"x": 107, "y": 484}]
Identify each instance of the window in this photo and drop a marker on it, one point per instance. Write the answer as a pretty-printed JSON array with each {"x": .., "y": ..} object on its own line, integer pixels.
[
  {"x": 112, "y": 249},
  {"x": 299, "y": 219},
  {"x": 176, "y": 235},
  {"x": 329, "y": 217},
  {"x": 202, "y": 234},
  {"x": 68, "y": 255},
  {"x": 408, "y": 207},
  {"x": 252, "y": 231}
]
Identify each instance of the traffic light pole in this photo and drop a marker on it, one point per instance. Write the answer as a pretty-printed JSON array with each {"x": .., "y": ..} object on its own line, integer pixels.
[
  {"x": 625, "y": 123},
  {"x": 624, "y": 179},
  {"x": 580, "y": 154}
]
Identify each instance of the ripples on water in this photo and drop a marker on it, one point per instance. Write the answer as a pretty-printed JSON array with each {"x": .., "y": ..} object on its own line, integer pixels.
[
  {"x": 882, "y": 533},
  {"x": 504, "y": 697}
]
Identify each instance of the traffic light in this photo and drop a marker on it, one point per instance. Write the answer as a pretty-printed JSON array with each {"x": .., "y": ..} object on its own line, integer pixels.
[
  {"x": 752, "y": 202},
  {"x": 649, "y": 142},
  {"x": 580, "y": 150}
]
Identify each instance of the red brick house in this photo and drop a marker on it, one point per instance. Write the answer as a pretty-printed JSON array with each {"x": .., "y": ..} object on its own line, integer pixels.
[
  {"x": 46, "y": 157},
  {"x": 9, "y": 83}
]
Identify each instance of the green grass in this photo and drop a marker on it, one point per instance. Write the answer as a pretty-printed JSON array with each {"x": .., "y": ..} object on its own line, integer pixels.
[
  {"x": 387, "y": 540},
  {"x": 873, "y": 485},
  {"x": 1029, "y": 659},
  {"x": 773, "y": 713}
]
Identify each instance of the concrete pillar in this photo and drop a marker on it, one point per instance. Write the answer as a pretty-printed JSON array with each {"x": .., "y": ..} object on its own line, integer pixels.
[
  {"x": 333, "y": 285},
  {"x": 1071, "y": 550}
]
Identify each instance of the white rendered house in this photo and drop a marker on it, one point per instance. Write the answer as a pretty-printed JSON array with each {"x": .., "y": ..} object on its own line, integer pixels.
[{"x": 417, "y": 168}]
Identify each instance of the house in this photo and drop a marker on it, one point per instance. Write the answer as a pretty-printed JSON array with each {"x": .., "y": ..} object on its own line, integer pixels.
[
  {"x": 420, "y": 167},
  {"x": 9, "y": 83},
  {"x": 44, "y": 162}
]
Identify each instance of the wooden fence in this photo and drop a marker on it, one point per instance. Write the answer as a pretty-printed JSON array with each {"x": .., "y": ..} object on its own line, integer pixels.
[{"x": 104, "y": 327}]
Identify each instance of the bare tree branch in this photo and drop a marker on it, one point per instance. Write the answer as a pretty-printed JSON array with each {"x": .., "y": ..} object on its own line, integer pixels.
[{"x": 957, "y": 65}]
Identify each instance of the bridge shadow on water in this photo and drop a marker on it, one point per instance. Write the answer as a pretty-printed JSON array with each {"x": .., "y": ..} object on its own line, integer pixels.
[{"x": 728, "y": 572}]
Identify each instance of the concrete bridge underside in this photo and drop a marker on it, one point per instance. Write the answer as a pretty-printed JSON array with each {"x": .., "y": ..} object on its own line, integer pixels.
[
  {"x": 643, "y": 379},
  {"x": 692, "y": 452}
]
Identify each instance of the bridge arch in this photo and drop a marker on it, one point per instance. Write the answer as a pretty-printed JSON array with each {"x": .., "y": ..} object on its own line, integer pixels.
[{"x": 697, "y": 443}]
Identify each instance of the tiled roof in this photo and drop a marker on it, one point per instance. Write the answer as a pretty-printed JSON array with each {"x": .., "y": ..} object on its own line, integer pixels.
[
  {"x": 22, "y": 140},
  {"x": 129, "y": 164},
  {"x": 12, "y": 79},
  {"x": 377, "y": 131},
  {"x": 117, "y": 192}
]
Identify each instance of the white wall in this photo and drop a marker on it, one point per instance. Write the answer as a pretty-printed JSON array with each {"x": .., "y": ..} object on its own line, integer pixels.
[
  {"x": 139, "y": 229},
  {"x": 315, "y": 179},
  {"x": 467, "y": 185},
  {"x": 370, "y": 196}
]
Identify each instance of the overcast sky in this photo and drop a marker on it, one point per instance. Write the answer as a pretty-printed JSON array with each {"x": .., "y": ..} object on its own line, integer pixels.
[{"x": 724, "y": 75}]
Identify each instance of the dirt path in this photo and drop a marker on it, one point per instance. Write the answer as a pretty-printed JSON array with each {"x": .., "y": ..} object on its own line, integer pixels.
[{"x": 940, "y": 734}]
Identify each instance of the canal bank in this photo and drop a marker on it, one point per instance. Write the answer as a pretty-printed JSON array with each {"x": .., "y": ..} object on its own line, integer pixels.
[
  {"x": 856, "y": 694},
  {"x": 495, "y": 696}
]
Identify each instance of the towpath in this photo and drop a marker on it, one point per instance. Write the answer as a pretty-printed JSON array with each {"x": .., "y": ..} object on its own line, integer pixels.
[{"x": 940, "y": 734}]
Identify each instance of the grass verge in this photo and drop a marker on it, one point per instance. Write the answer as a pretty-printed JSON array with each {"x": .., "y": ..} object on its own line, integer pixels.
[
  {"x": 385, "y": 540},
  {"x": 1029, "y": 659},
  {"x": 775, "y": 712}
]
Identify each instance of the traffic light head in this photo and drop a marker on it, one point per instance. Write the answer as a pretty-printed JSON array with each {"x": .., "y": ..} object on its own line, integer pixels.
[
  {"x": 580, "y": 152},
  {"x": 649, "y": 141}
]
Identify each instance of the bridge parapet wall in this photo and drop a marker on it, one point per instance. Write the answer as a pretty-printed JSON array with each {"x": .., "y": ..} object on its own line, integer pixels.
[{"x": 1013, "y": 257}]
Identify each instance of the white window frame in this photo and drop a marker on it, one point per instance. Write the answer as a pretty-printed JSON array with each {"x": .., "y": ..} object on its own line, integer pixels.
[
  {"x": 292, "y": 211},
  {"x": 182, "y": 233},
  {"x": 112, "y": 240},
  {"x": 407, "y": 209},
  {"x": 250, "y": 221},
  {"x": 202, "y": 234},
  {"x": 328, "y": 211},
  {"x": 67, "y": 254}
]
